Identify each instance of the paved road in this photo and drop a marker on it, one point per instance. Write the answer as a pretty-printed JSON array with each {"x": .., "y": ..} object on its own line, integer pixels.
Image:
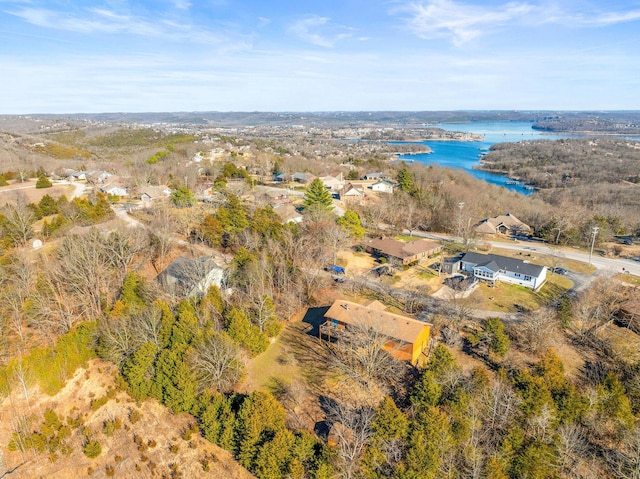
[{"x": 613, "y": 265}]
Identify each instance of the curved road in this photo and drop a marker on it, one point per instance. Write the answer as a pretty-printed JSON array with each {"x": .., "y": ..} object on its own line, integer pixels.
[{"x": 612, "y": 265}]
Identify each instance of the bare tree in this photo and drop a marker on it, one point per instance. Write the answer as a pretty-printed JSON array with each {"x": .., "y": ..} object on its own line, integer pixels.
[
  {"x": 499, "y": 404},
  {"x": 117, "y": 340},
  {"x": 361, "y": 354},
  {"x": 161, "y": 236},
  {"x": 597, "y": 307},
  {"x": 625, "y": 460},
  {"x": 217, "y": 362},
  {"x": 123, "y": 246},
  {"x": 571, "y": 447},
  {"x": 352, "y": 431},
  {"x": 19, "y": 219},
  {"x": 537, "y": 330}
]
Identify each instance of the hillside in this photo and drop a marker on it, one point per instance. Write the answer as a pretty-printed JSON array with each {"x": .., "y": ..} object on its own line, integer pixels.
[{"x": 137, "y": 439}]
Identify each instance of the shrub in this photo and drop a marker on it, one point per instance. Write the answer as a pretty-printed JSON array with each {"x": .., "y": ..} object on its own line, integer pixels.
[
  {"x": 135, "y": 416},
  {"x": 92, "y": 449},
  {"x": 111, "y": 426}
]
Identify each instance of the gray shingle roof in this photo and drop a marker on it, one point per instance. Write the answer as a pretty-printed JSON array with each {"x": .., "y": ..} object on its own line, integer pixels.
[{"x": 504, "y": 263}]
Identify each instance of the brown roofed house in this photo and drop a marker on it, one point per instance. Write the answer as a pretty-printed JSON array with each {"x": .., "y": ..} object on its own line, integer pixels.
[
  {"x": 408, "y": 337},
  {"x": 502, "y": 224},
  {"x": 406, "y": 253}
]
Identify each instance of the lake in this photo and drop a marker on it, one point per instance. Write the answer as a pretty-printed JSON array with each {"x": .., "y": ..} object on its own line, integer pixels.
[{"x": 466, "y": 154}]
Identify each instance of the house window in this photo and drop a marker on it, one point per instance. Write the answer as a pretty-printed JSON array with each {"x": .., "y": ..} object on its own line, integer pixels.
[
  {"x": 527, "y": 278},
  {"x": 518, "y": 275}
]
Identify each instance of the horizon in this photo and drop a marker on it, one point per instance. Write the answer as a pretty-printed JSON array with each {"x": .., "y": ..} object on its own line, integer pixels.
[
  {"x": 247, "y": 56},
  {"x": 325, "y": 112}
]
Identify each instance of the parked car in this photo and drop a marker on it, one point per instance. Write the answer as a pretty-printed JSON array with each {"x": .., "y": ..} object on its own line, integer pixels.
[
  {"x": 559, "y": 271},
  {"x": 334, "y": 268}
]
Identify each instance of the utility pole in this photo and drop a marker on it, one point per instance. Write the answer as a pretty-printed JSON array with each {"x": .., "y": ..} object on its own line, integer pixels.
[
  {"x": 460, "y": 206},
  {"x": 594, "y": 232}
]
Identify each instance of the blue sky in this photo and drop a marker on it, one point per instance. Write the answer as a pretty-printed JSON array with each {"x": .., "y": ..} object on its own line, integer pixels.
[{"x": 225, "y": 55}]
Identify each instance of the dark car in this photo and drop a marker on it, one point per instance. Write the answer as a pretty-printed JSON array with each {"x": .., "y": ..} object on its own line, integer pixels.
[{"x": 559, "y": 271}]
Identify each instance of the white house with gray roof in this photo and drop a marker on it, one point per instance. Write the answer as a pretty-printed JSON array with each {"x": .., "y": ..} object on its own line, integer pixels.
[{"x": 492, "y": 268}]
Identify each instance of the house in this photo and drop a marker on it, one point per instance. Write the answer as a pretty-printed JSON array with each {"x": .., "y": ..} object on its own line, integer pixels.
[
  {"x": 191, "y": 277},
  {"x": 402, "y": 252},
  {"x": 350, "y": 192},
  {"x": 332, "y": 183},
  {"x": 97, "y": 176},
  {"x": 409, "y": 338},
  {"x": 376, "y": 176},
  {"x": 72, "y": 175},
  {"x": 114, "y": 189},
  {"x": 288, "y": 214},
  {"x": 149, "y": 194},
  {"x": 304, "y": 178},
  {"x": 270, "y": 195},
  {"x": 503, "y": 224},
  {"x": 492, "y": 268},
  {"x": 383, "y": 186},
  {"x": 280, "y": 178}
]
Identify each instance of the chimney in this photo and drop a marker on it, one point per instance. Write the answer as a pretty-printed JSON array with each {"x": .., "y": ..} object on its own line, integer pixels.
[{"x": 346, "y": 306}]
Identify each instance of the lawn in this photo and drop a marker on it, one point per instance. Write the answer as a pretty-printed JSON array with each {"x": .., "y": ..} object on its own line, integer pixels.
[
  {"x": 273, "y": 367},
  {"x": 511, "y": 298}
]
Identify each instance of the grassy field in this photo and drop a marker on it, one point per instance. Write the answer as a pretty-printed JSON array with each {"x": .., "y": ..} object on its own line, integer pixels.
[
  {"x": 274, "y": 367},
  {"x": 510, "y": 297}
]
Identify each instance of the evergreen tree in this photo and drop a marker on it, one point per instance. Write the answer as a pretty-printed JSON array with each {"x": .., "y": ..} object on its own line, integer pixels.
[
  {"x": 183, "y": 197},
  {"x": 43, "y": 182},
  {"x": 217, "y": 421},
  {"x": 405, "y": 180},
  {"x": 389, "y": 430},
  {"x": 614, "y": 403},
  {"x": 350, "y": 222},
  {"x": 317, "y": 197},
  {"x": 430, "y": 443},
  {"x": 244, "y": 333},
  {"x": 3, "y": 181},
  {"x": 138, "y": 371},
  {"x": 48, "y": 206},
  {"x": 260, "y": 416},
  {"x": 492, "y": 338},
  {"x": 273, "y": 458}
]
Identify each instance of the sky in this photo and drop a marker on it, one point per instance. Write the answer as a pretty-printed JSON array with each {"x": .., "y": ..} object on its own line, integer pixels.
[{"x": 63, "y": 56}]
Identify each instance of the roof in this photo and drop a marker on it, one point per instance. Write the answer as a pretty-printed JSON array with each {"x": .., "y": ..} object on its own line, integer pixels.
[
  {"x": 155, "y": 191},
  {"x": 350, "y": 190},
  {"x": 400, "y": 249},
  {"x": 491, "y": 261},
  {"x": 288, "y": 213},
  {"x": 302, "y": 176},
  {"x": 376, "y": 174},
  {"x": 393, "y": 325},
  {"x": 187, "y": 269},
  {"x": 384, "y": 182},
  {"x": 490, "y": 225}
]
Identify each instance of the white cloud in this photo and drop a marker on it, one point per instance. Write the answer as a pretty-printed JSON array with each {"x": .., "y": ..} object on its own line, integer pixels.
[
  {"x": 607, "y": 18},
  {"x": 319, "y": 31},
  {"x": 100, "y": 20},
  {"x": 182, "y": 4},
  {"x": 462, "y": 22}
]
